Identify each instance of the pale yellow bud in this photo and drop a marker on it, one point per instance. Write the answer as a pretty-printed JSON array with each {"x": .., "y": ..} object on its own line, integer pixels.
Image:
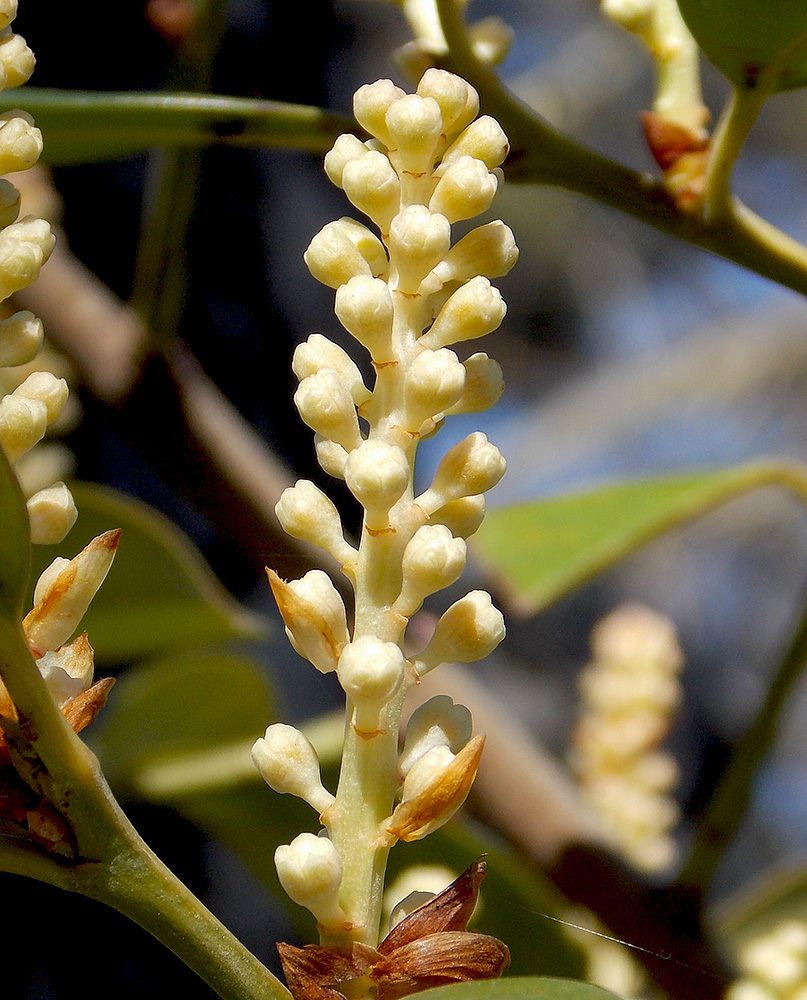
[
  {"x": 474, "y": 310},
  {"x": 489, "y": 250},
  {"x": 458, "y": 101},
  {"x": 288, "y": 763},
  {"x": 377, "y": 474},
  {"x": 20, "y": 142},
  {"x": 346, "y": 148},
  {"x": 370, "y": 672},
  {"x": 484, "y": 140},
  {"x": 331, "y": 456},
  {"x": 414, "y": 124},
  {"x": 467, "y": 188},
  {"x": 20, "y": 339},
  {"x": 61, "y": 604},
  {"x": 305, "y": 512},
  {"x": 418, "y": 240},
  {"x": 612, "y": 691},
  {"x": 473, "y": 466},
  {"x": 371, "y": 104},
  {"x": 325, "y": 404},
  {"x": 750, "y": 989},
  {"x": 45, "y": 386},
  {"x": 364, "y": 308},
  {"x": 437, "y": 722},
  {"x": 52, "y": 513},
  {"x": 372, "y": 185},
  {"x": 491, "y": 40},
  {"x": 8, "y": 11},
  {"x": 310, "y": 871},
  {"x": 16, "y": 59},
  {"x": 468, "y": 631},
  {"x": 314, "y": 616},
  {"x": 318, "y": 352},
  {"x": 636, "y": 638},
  {"x": 434, "y": 382},
  {"x": 23, "y": 422},
  {"x": 24, "y": 248},
  {"x": 433, "y": 559},
  {"x": 343, "y": 249},
  {"x": 463, "y": 516},
  {"x": 423, "y": 771},
  {"x": 484, "y": 385},
  {"x": 778, "y": 958}
]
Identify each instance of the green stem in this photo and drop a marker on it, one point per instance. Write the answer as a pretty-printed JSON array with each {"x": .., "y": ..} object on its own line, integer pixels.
[
  {"x": 678, "y": 90},
  {"x": 732, "y": 130}
]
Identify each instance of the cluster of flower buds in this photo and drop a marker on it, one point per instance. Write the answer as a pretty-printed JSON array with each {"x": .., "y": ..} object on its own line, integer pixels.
[
  {"x": 25, "y": 245},
  {"x": 407, "y": 296},
  {"x": 774, "y": 965},
  {"x": 629, "y": 694}
]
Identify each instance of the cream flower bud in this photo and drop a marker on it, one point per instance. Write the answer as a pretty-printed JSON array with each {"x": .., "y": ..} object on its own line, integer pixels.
[
  {"x": 23, "y": 422},
  {"x": 490, "y": 250},
  {"x": 370, "y": 671},
  {"x": 346, "y": 148},
  {"x": 437, "y": 722},
  {"x": 343, "y": 249},
  {"x": 20, "y": 339},
  {"x": 459, "y": 102},
  {"x": 418, "y": 240},
  {"x": 52, "y": 391},
  {"x": 61, "y": 604},
  {"x": 371, "y": 104},
  {"x": 52, "y": 513},
  {"x": 325, "y": 404},
  {"x": 423, "y": 771},
  {"x": 484, "y": 385},
  {"x": 24, "y": 248},
  {"x": 16, "y": 59},
  {"x": 372, "y": 185},
  {"x": 288, "y": 763},
  {"x": 466, "y": 189},
  {"x": 306, "y": 513},
  {"x": 463, "y": 516},
  {"x": 364, "y": 308},
  {"x": 9, "y": 203},
  {"x": 484, "y": 140},
  {"x": 491, "y": 40},
  {"x": 474, "y": 310},
  {"x": 8, "y": 11},
  {"x": 470, "y": 467},
  {"x": 468, "y": 631},
  {"x": 331, "y": 456},
  {"x": 414, "y": 123},
  {"x": 68, "y": 671},
  {"x": 318, "y": 352},
  {"x": 314, "y": 616},
  {"x": 432, "y": 560},
  {"x": 377, "y": 474},
  {"x": 310, "y": 871},
  {"x": 20, "y": 142},
  {"x": 435, "y": 381}
]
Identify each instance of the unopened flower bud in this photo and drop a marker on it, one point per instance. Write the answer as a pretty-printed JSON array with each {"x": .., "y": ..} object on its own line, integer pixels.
[
  {"x": 462, "y": 516},
  {"x": 468, "y": 631},
  {"x": 288, "y": 763},
  {"x": 432, "y": 560},
  {"x": 306, "y": 513},
  {"x": 370, "y": 671},
  {"x": 371, "y": 104},
  {"x": 310, "y": 871},
  {"x": 61, "y": 605},
  {"x": 474, "y": 310},
  {"x": 364, "y": 308},
  {"x": 8, "y": 11},
  {"x": 325, "y": 404},
  {"x": 467, "y": 188},
  {"x": 45, "y": 386},
  {"x": 414, "y": 124},
  {"x": 473, "y": 466},
  {"x": 491, "y": 40},
  {"x": 331, "y": 456},
  {"x": 489, "y": 250},
  {"x": 437, "y": 722},
  {"x": 23, "y": 422},
  {"x": 317, "y": 353},
  {"x": 484, "y": 385},
  {"x": 458, "y": 101},
  {"x": 423, "y": 770},
  {"x": 435, "y": 381},
  {"x": 372, "y": 185},
  {"x": 418, "y": 240},
  {"x": 20, "y": 142},
  {"x": 52, "y": 513},
  {"x": 484, "y": 140},
  {"x": 20, "y": 339},
  {"x": 16, "y": 59},
  {"x": 68, "y": 671},
  {"x": 346, "y": 148},
  {"x": 24, "y": 248},
  {"x": 343, "y": 249},
  {"x": 314, "y": 616},
  {"x": 377, "y": 474}
]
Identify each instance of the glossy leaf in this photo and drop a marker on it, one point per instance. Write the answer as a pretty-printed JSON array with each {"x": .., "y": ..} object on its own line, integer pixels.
[
  {"x": 159, "y": 595},
  {"x": 516, "y": 988},
  {"x": 82, "y": 126},
  {"x": 748, "y": 38},
  {"x": 15, "y": 544},
  {"x": 542, "y": 549}
]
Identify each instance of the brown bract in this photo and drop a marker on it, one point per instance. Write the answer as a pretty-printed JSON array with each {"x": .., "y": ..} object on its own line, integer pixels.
[
  {"x": 429, "y": 947},
  {"x": 681, "y": 154}
]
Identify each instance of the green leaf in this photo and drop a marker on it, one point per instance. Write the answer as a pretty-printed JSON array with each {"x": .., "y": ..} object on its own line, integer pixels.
[
  {"x": 159, "y": 595},
  {"x": 527, "y": 988},
  {"x": 545, "y": 548},
  {"x": 750, "y": 39},
  {"x": 79, "y": 126},
  {"x": 15, "y": 544}
]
